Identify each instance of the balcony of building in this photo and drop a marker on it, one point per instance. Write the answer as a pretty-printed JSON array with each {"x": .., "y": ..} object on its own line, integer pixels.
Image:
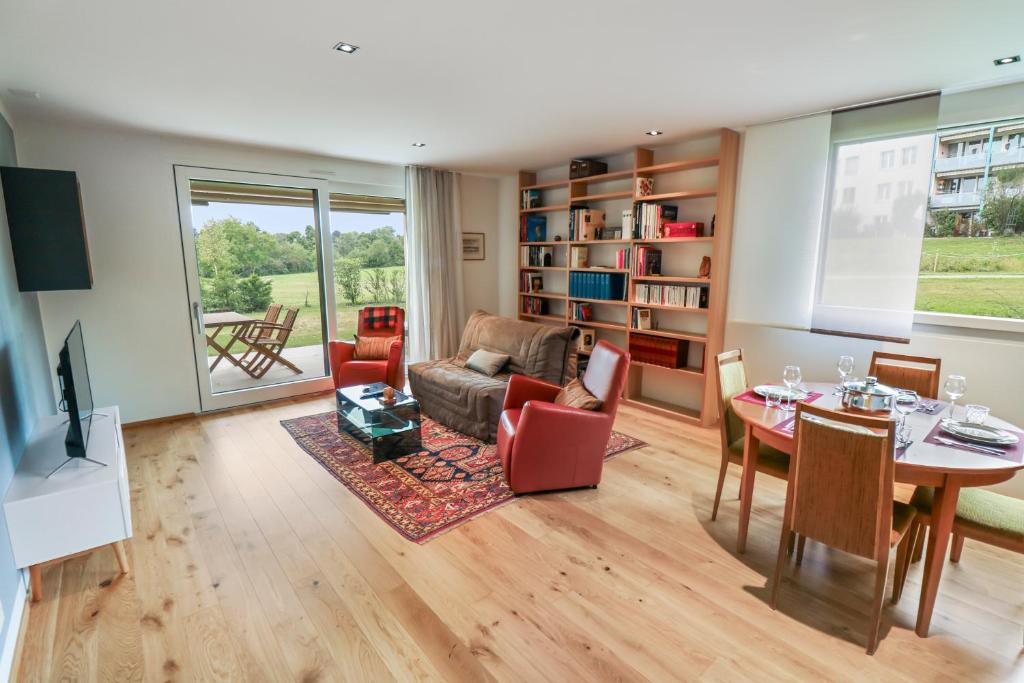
[
  {"x": 955, "y": 200},
  {"x": 960, "y": 163},
  {"x": 1008, "y": 157}
]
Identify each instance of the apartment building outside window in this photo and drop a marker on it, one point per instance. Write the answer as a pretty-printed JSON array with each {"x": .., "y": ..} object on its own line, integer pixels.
[
  {"x": 851, "y": 164},
  {"x": 908, "y": 156},
  {"x": 883, "y": 192},
  {"x": 849, "y": 195},
  {"x": 888, "y": 159}
]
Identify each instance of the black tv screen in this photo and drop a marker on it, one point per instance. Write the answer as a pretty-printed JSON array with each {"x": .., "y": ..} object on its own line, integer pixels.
[{"x": 76, "y": 392}]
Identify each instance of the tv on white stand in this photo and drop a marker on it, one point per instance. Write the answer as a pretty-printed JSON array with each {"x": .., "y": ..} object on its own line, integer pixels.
[{"x": 82, "y": 507}]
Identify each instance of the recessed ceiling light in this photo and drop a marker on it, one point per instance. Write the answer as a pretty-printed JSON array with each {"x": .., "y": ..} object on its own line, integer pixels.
[
  {"x": 347, "y": 48},
  {"x": 419, "y": 144},
  {"x": 1006, "y": 60},
  {"x": 653, "y": 133}
]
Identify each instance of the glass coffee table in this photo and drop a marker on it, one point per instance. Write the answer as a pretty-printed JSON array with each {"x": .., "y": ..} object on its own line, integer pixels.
[{"x": 389, "y": 431}]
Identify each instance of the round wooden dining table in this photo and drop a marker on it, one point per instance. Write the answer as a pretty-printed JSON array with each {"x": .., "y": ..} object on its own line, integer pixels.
[{"x": 925, "y": 464}]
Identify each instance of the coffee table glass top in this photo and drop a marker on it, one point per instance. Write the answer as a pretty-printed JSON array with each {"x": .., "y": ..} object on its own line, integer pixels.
[{"x": 374, "y": 418}]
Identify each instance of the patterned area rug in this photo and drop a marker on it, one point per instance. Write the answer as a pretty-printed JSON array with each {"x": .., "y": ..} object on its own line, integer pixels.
[{"x": 453, "y": 480}]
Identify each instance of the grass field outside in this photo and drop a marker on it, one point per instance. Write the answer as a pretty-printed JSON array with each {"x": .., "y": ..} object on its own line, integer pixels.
[
  {"x": 972, "y": 276},
  {"x": 300, "y": 290}
]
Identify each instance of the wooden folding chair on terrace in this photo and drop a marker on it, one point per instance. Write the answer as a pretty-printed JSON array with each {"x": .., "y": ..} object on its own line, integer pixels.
[{"x": 266, "y": 341}]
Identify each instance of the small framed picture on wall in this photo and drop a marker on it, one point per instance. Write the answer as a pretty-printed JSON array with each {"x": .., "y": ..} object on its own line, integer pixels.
[{"x": 473, "y": 246}]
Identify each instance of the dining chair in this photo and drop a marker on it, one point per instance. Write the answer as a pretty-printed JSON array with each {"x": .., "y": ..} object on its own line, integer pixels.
[
  {"x": 917, "y": 373},
  {"x": 732, "y": 381},
  {"x": 981, "y": 515},
  {"x": 841, "y": 494}
]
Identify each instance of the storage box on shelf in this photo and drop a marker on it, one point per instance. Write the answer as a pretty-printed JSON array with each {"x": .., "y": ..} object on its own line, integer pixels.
[{"x": 682, "y": 314}]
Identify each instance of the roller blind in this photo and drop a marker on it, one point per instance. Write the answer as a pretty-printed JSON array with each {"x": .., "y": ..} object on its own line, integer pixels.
[
  {"x": 204, "y": 192},
  {"x": 874, "y": 219}
]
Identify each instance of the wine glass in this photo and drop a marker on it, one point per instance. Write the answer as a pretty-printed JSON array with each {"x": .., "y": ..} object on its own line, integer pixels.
[
  {"x": 791, "y": 378},
  {"x": 955, "y": 387},
  {"x": 905, "y": 403},
  {"x": 845, "y": 368}
]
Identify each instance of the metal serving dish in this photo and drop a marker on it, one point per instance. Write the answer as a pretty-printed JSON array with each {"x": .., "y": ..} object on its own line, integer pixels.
[{"x": 868, "y": 396}]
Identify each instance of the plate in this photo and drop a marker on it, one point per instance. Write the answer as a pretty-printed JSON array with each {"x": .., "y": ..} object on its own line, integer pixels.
[
  {"x": 978, "y": 433},
  {"x": 784, "y": 392}
]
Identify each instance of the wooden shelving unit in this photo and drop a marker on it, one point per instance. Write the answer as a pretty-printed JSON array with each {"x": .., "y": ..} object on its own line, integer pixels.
[{"x": 565, "y": 194}]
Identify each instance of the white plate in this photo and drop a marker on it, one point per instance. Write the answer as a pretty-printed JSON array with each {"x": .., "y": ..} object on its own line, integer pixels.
[
  {"x": 979, "y": 433},
  {"x": 784, "y": 392}
]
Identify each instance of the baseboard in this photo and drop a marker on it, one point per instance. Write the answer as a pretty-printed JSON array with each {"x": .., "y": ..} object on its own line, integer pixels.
[
  {"x": 157, "y": 420},
  {"x": 16, "y": 630}
]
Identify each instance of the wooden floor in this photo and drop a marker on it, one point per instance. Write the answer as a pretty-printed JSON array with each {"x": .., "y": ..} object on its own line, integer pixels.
[{"x": 250, "y": 562}]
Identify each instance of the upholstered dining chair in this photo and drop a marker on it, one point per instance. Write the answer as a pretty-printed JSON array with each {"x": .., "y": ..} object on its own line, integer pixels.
[
  {"x": 841, "y": 494},
  {"x": 374, "y": 321},
  {"x": 917, "y": 373},
  {"x": 732, "y": 381},
  {"x": 981, "y": 515},
  {"x": 545, "y": 446}
]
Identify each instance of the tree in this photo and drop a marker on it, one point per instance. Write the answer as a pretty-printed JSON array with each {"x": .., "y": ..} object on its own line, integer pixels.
[
  {"x": 220, "y": 294},
  {"x": 378, "y": 286},
  {"x": 943, "y": 223},
  {"x": 396, "y": 283},
  {"x": 1003, "y": 210},
  {"x": 253, "y": 294},
  {"x": 349, "y": 274}
]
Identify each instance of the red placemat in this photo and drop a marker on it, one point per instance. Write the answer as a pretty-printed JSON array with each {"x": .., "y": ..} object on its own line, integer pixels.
[
  {"x": 787, "y": 426},
  {"x": 750, "y": 397},
  {"x": 1014, "y": 453}
]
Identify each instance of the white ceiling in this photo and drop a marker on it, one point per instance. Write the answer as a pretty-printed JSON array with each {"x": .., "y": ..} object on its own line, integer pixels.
[{"x": 488, "y": 86}]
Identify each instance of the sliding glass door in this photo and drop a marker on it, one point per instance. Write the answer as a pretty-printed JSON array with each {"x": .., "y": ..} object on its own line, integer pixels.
[{"x": 260, "y": 283}]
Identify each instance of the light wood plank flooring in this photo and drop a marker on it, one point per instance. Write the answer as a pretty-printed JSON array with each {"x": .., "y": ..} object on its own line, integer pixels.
[{"x": 250, "y": 562}]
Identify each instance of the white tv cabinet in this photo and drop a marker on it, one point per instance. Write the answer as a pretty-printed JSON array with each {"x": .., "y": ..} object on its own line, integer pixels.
[{"x": 81, "y": 508}]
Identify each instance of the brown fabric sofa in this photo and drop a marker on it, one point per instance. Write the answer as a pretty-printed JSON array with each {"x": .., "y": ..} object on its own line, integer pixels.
[{"x": 470, "y": 401}]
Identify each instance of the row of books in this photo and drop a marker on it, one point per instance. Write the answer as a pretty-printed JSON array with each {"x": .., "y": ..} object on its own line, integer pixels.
[
  {"x": 579, "y": 257},
  {"x": 531, "y": 282},
  {"x": 533, "y": 305},
  {"x": 668, "y": 353},
  {"x": 581, "y": 311},
  {"x": 648, "y": 219},
  {"x": 533, "y": 228},
  {"x": 647, "y": 261},
  {"x": 530, "y": 199},
  {"x": 671, "y": 295},
  {"x": 608, "y": 286},
  {"x": 622, "y": 257},
  {"x": 584, "y": 223},
  {"x": 536, "y": 256}
]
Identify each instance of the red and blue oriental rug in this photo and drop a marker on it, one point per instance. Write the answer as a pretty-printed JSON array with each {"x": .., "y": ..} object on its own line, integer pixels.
[{"x": 455, "y": 478}]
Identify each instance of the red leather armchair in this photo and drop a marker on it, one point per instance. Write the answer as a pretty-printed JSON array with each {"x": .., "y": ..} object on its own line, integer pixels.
[
  {"x": 374, "y": 321},
  {"x": 544, "y": 446}
]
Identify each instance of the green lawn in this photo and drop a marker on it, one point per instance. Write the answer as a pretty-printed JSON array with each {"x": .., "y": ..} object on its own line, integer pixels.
[
  {"x": 972, "y": 255},
  {"x": 300, "y": 290},
  {"x": 944, "y": 258}
]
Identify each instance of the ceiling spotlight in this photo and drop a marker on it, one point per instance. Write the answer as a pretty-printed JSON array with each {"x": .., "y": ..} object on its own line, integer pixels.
[
  {"x": 1006, "y": 60},
  {"x": 419, "y": 144},
  {"x": 347, "y": 48},
  {"x": 654, "y": 133}
]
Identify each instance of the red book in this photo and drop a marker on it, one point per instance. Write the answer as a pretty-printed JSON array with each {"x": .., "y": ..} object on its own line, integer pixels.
[{"x": 681, "y": 229}]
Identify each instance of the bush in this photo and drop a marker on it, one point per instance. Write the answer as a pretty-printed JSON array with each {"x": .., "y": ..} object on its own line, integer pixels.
[
  {"x": 253, "y": 294},
  {"x": 349, "y": 276},
  {"x": 944, "y": 223},
  {"x": 396, "y": 284},
  {"x": 378, "y": 285},
  {"x": 221, "y": 293}
]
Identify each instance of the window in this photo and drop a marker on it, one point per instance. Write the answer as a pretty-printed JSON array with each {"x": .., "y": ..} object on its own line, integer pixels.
[
  {"x": 904, "y": 187},
  {"x": 888, "y": 158},
  {"x": 908, "y": 156},
  {"x": 849, "y": 194},
  {"x": 882, "y": 219},
  {"x": 883, "y": 191},
  {"x": 851, "y": 165},
  {"x": 971, "y": 263}
]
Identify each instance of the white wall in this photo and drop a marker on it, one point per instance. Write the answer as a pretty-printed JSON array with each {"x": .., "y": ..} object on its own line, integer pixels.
[
  {"x": 136, "y": 319},
  {"x": 480, "y": 207},
  {"x": 778, "y": 218}
]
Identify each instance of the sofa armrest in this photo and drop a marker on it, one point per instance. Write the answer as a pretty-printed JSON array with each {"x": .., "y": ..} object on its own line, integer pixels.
[
  {"x": 340, "y": 352},
  {"x": 522, "y": 388},
  {"x": 394, "y": 374}
]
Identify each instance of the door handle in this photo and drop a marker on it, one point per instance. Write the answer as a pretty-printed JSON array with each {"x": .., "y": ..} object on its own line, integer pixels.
[{"x": 199, "y": 321}]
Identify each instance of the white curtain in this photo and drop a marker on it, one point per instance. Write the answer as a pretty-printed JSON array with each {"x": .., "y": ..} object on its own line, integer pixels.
[
  {"x": 874, "y": 221},
  {"x": 434, "y": 258}
]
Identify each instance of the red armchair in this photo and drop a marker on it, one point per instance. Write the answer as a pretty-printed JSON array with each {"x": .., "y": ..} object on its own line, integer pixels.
[
  {"x": 544, "y": 446},
  {"x": 374, "y": 321}
]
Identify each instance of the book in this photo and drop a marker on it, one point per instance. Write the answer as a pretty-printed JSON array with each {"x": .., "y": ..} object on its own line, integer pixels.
[
  {"x": 682, "y": 229},
  {"x": 642, "y": 319},
  {"x": 533, "y": 228},
  {"x": 579, "y": 257}
]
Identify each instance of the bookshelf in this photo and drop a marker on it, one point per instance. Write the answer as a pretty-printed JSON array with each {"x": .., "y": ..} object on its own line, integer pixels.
[{"x": 699, "y": 178}]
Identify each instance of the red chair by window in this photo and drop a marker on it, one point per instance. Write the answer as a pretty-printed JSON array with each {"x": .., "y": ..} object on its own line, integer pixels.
[
  {"x": 374, "y": 321},
  {"x": 545, "y": 446}
]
